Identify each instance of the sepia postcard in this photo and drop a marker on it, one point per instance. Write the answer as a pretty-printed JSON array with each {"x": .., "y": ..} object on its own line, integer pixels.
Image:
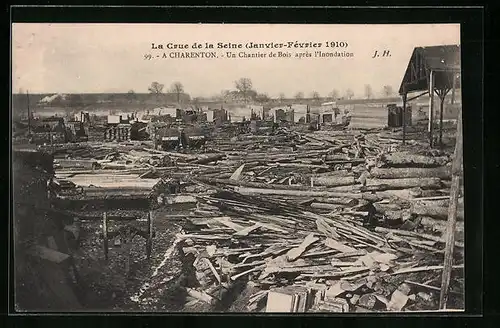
[{"x": 237, "y": 168}]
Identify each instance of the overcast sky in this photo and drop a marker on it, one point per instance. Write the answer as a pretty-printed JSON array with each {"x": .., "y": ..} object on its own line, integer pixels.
[{"x": 86, "y": 58}]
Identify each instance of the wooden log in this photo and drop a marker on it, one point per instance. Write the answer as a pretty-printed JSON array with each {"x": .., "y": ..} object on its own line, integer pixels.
[
  {"x": 411, "y": 172},
  {"x": 333, "y": 181},
  {"x": 384, "y": 208},
  {"x": 400, "y": 159},
  {"x": 337, "y": 173},
  {"x": 252, "y": 184},
  {"x": 440, "y": 202},
  {"x": 299, "y": 193},
  {"x": 299, "y": 165},
  {"x": 440, "y": 225},
  {"x": 337, "y": 201},
  {"x": 424, "y": 183},
  {"x": 75, "y": 163},
  {"x": 326, "y": 206},
  {"x": 440, "y": 213},
  {"x": 452, "y": 214}
]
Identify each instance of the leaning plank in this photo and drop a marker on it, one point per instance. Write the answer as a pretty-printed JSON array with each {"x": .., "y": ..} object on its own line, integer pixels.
[{"x": 210, "y": 265}]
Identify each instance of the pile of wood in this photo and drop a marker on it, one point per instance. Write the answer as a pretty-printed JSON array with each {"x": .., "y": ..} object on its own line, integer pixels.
[
  {"x": 325, "y": 221},
  {"x": 366, "y": 236}
]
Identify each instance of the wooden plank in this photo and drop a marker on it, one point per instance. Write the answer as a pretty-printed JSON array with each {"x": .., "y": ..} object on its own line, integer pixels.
[
  {"x": 212, "y": 268},
  {"x": 237, "y": 174},
  {"x": 426, "y": 268},
  {"x": 295, "y": 253},
  {"x": 452, "y": 214},
  {"x": 247, "y": 230},
  {"x": 338, "y": 246},
  {"x": 226, "y": 220}
]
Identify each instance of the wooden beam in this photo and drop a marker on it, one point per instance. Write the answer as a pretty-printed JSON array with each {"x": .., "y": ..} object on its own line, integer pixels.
[
  {"x": 431, "y": 107},
  {"x": 454, "y": 86},
  {"x": 452, "y": 215},
  {"x": 442, "y": 96},
  {"x": 417, "y": 96},
  {"x": 404, "y": 117}
]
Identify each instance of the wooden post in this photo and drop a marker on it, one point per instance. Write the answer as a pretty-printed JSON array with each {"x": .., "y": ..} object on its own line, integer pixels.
[
  {"x": 431, "y": 107},
  {"x": 149, "y": 242},
  {"x": 442, "y": 96},
  {"x": 105, "y": 234},
  {"x": 454, "y": 86},
  {"x": 404, "y": 116},
  {"x": 452, "y": 215},
  {"x": 29, "y": 113}
]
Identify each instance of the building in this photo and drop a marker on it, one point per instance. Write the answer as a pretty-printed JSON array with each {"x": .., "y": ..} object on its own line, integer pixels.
[{"x": 432, "y": 70}]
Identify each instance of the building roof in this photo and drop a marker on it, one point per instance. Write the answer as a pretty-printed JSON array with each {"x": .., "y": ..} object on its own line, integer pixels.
[{"x": 444, "y": 60}]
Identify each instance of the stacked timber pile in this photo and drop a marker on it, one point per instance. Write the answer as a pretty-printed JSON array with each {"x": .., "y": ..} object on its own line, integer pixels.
[{"x": 328, "y": 221}]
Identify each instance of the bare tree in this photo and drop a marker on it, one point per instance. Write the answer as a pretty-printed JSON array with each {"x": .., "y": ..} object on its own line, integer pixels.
[
  {"x": 299, "y": 95},
  {"x": 244, "y": 86},
  {"x": 131, "y": 95},
  {"x": 349, "y": 94},
  {"x": 334, "y": 94},
  {"x": 156, "y": 89},
  {"x": 368, "y": 91},
  {"x": 281, "y": 97},
  {"x": 315, "y": 95},
  {"x": 178, "y": 89},
  {"x": 387, "y": 90},
  {"x": 224, "y": 95}
]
